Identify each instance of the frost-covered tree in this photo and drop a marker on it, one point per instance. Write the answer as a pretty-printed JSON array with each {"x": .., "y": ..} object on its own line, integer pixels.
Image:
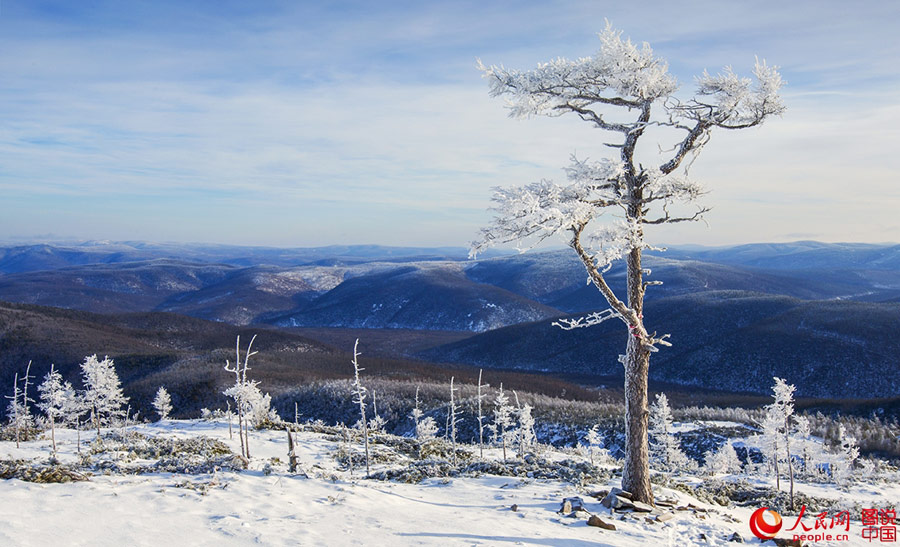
[
  {"x": 603, "y": 209},
  {"x": 252, "y": 406},
  {"x": 846, "y": 454},
  {"x": 416, "y": 413},
  {"x": 162, "y": 403},
  {"x": 723, "y": 460},
  {"x": 359, "y": 397},
  {"x": 781, "y": 412},
  {"x": 593, "y": 439},
  {"x": 57, "y": 398},
  {"x": 452, "y": 418},
  {"x": 18, "y": 411},
  {"x": 426, "y": 429},
  {"x": 503, "y": 421},
  {"x": 664, "y": 445},
  {"x": 102, "y": 390},
  {"x": 15, "y": 410},
  {"x": 807, "y": 448},
  {"x": 376, "y": 424},
  {"x": 525, "y": 429},
  {"x": 425, "y": 426}
]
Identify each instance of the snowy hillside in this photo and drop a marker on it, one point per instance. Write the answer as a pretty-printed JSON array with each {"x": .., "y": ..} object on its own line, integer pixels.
[{"x": 137, "y": 492}]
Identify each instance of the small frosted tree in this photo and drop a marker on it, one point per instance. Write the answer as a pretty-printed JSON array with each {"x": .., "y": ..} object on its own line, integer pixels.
[
  {"x": 15, "y": 410},
  {"x": 845, "y": 456},
  {"x": 102, "y": 390},
  {"x": 425, "y": 426},
  {"x": 162, "y": 403},
  {"x": 56, "y": 400},
  {"x": 416, "y": 413},
  {"x": 525, "y": 429},
  {"x": 723, "y": 460},
  {"x": 664, "y": 445},
  {"x": 627, "y": 91},
  {"x": 594, "y": 440},
  {"x": 503, "y": 412},
  {"x": 376, "y": 424},
  {"x": 808, "y": 449}
]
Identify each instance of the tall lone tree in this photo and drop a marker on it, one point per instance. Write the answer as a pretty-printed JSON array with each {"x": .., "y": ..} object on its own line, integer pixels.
[{"x": 606, "y": 204}]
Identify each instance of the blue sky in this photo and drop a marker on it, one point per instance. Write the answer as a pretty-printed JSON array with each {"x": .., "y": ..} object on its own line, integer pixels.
[{"x": 305, "y": 123}]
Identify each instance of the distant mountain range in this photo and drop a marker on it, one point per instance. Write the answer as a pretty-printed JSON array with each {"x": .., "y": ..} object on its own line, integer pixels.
[
  {"x": 808, "y": 311},
  {"x": 32, "y": 258},
  {"x": 729, "y": 340}
]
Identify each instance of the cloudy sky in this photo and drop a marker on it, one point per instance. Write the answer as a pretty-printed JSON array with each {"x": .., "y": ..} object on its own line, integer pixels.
[{"x": 313, "y": 123}]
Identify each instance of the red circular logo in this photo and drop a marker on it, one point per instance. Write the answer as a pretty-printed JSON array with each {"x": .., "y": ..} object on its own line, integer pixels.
[{"x": 762, "y": 529}]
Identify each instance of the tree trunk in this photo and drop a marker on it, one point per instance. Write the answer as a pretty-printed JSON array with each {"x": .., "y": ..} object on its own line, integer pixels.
[
  {"x": 97, "y": 420},
  {"x": 241, "y": 429},
  {"x": 247, "y": 437},
  {"x": 787, "y": 449},
  {"x": 636, "y": 473},
  {"x": 53, "y": 434},
  {"x": 775, "y": 461}
]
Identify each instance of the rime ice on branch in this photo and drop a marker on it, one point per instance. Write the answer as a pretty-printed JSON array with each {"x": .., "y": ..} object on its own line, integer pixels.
[{"x": 603, "y": 207}]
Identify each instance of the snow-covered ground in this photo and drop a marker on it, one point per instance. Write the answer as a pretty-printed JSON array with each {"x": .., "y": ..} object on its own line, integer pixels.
[{"x": 324, "y": 505}]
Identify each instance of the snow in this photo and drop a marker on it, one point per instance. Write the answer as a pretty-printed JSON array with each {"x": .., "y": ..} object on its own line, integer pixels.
[{"x": 324, "y": 505}]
